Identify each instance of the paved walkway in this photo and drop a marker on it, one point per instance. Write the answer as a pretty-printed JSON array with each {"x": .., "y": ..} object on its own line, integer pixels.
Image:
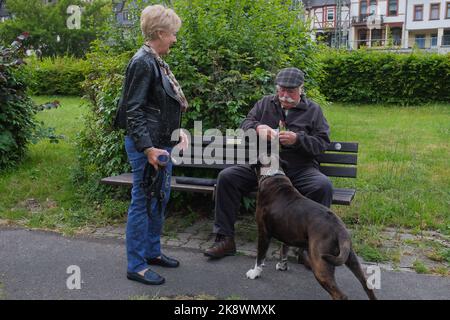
[
  {"x": 199, "y": 236},
  {"x": 33, "y": 265}
]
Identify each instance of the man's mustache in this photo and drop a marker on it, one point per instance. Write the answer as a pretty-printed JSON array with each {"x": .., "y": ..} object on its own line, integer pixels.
[{"x": 286, "y": 99}]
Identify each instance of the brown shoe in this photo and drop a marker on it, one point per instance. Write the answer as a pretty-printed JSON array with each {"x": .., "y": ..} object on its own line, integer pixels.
[{"x": 223, "y": 246}]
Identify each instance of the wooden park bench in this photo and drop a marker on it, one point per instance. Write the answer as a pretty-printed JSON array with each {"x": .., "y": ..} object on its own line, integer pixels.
[{"x": 338, "y": 161}]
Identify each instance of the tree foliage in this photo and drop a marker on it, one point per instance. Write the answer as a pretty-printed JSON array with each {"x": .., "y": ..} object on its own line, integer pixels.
[{"x": 45, "y": 22}]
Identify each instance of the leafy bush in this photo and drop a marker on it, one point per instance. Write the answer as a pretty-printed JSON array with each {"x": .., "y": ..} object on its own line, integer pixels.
[
  {"x": 380, "y": 77},
  {"x": 101, "y": 148},
  {"x": 57, "y": 76},
  {"x": 226, "y": 58},
  {"x": 18, "y": 126},
  {"x": 230, "y": 51},
  {"x": 17, "y": 110}
]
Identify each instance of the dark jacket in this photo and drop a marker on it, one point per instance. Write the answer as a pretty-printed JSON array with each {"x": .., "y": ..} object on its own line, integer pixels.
[
  {"x": 306, "y": 120},
  {"x": 148, "y": 108}
]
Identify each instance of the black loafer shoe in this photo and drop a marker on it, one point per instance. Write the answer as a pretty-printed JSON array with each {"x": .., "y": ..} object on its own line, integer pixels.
[
  {"x": 164, "y": 261},
  {"x": 149, "y": 277}
]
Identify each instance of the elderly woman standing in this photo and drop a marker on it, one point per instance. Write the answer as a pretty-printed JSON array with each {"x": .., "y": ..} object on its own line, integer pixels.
[{"x": 150, "y": 110}]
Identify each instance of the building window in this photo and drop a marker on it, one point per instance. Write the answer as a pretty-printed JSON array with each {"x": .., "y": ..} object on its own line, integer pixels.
[
  {"x": 434, "y": 40},
  {"x": 396, "y": 36},
  {"x": 368, "y": 7},
  {"x": 330, "y": 14},
  {"x": 447, "y": 11},
  {"x": 376, "y": 38},
  {"x": 434, "y": 11},
  {"x": 363, "y": 7},
  {"x": 420, "y": 41},
  {"x": 392, "y": 8},
  {"x": 362, "y": 38},
  {"x": 446, "y": 38},
  {"x": 372, "y": 7},
  {"x": 418, "y": 12}
]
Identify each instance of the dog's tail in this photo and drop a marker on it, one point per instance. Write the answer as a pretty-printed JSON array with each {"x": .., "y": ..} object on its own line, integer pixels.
[{"x": 345, "y": 246}]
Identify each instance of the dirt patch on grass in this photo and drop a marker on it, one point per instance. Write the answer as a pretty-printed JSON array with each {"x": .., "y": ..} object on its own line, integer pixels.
[
  {"x": 419, "y": 251},
  {"x": 34, "y": 206}
]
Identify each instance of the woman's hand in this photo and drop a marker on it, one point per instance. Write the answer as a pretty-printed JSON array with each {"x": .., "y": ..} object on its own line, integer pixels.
[{"x": 153, "y": 154}]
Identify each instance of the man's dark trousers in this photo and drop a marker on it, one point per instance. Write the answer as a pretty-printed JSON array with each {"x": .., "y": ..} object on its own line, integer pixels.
[{"x": 237, "y": 181}]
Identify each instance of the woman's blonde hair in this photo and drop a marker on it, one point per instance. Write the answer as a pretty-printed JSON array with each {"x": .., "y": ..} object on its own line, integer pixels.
[{"x": 158, "y": 18}]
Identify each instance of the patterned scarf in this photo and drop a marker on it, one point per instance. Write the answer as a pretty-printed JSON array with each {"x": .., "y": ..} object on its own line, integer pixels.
[{"x": 173, "y": 81}]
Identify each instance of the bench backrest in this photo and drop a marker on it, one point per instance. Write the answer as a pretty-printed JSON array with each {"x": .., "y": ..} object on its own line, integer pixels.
[{"x": 339, "y": 160}]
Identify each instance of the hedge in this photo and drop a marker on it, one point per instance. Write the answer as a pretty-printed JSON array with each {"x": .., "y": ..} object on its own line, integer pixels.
[
  {"x": 16, "y": 107},
  {"x": 364, "y": 76},
  {"x": 57, "y": 76}
]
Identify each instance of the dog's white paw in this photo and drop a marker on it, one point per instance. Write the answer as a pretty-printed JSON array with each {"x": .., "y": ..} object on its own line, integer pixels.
[
  {"x": 254, "y": 273},
  {"x": 282, "y": 266}
]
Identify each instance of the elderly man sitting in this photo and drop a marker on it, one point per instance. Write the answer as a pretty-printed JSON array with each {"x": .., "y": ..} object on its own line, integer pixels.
[{"x": 306, "y": 136}]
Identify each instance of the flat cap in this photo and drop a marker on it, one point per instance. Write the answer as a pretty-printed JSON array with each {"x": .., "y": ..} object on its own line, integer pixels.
[{"x": 290, "y": 77}]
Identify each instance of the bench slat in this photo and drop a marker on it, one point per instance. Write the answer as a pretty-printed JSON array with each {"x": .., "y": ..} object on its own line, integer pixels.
[
  {"x": 343, "y": 196},
  {"x": 335, "y": 146},
  {"x": 176, "y": 186},
  {"x": 125, "y": 179},
  {"x": 343, "y": 172},
  {"x": 338, "y": 158},
  {"x": 340, "y": 196},
  {"x": 330, "y": 171},
  {"x": 334, "y": 158}
]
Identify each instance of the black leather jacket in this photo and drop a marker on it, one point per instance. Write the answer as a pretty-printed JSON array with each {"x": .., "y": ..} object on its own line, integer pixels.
[{"x": 148, "y": 108}]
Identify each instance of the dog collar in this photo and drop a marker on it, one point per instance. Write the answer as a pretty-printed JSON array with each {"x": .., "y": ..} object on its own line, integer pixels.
[{"x": 271, "y": 173}]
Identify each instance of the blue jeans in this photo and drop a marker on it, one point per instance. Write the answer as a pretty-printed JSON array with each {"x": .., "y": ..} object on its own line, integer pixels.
[{"x": 143, "y": 234}]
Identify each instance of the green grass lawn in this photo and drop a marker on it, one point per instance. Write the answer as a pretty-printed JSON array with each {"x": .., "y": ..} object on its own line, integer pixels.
[
  {"x": 403, "y": 171},
  {"x": 40, "y": 192},
  {"x": 403, "y": 164}
]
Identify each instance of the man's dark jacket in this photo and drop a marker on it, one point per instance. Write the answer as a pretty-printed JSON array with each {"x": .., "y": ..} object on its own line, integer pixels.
[
  {"x": 306, "y": 119},
  {"x": 148, "y": 108}
]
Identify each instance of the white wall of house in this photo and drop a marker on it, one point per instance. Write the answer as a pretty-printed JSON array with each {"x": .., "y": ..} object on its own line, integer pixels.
[
  {"x": 426, "y": 23},
  {"x": 423, "y": 36},
  {"x": 400, "y": 17},
  {"x": 380, "y": 8},
  {"x": 426, "y": 27},
  {"x": 384, "y": 18}
]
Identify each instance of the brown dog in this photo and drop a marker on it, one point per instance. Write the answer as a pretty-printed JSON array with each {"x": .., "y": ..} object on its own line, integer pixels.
[{"x": 288, "y": 216}]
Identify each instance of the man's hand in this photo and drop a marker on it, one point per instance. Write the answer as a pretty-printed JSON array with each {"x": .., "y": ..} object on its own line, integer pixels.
[
  {"x": 287, "y": 138},
  {"x": 266, "y": 132},
  {"x": 153, "y": 154}
]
